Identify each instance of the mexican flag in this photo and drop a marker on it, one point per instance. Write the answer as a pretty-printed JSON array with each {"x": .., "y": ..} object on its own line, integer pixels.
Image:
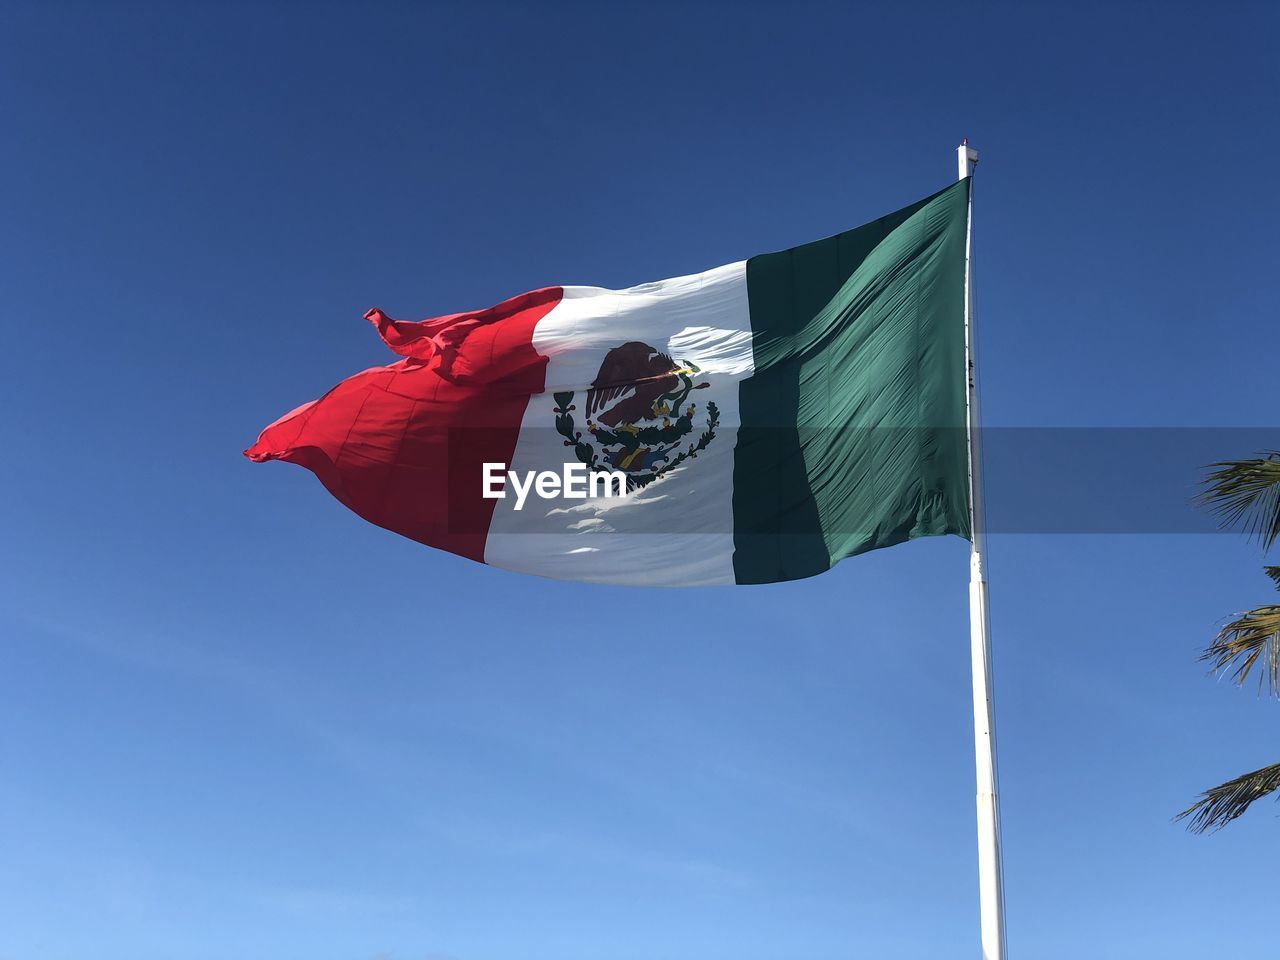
[{"x": 752, "y": 423}]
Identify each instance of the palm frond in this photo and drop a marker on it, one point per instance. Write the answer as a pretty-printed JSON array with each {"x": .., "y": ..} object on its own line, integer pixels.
[
  {"x": 1220, "y": 805},
  {"x": 1274, "y": 574},
  {"x": 1246, "y": 493},
  {"x": 1252, "y": 638}
]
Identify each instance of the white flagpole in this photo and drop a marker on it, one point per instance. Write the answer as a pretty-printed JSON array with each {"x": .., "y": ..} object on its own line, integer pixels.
[{"x": 990, "y": 878}]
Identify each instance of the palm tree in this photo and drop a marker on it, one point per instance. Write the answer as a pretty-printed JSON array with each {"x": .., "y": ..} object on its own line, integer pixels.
[{"x": 1245, "y": 494}]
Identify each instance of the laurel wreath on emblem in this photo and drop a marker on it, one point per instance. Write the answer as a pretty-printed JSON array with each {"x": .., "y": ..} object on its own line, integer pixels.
[{"x": 636, "y": 415}]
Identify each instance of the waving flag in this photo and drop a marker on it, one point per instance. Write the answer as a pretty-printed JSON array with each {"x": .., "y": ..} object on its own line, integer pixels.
[{"x": 767, "y": 418}]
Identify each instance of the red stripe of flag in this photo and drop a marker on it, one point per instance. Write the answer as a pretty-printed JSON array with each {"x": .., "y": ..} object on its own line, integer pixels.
[{"x": 402, "y": 445}]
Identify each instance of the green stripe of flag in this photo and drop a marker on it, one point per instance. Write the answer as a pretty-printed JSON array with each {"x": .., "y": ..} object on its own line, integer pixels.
[{"x": 852, "y": 433}]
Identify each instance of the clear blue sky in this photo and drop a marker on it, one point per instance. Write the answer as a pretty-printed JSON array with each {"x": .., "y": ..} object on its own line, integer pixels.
[{"x": 235, "y": 721}]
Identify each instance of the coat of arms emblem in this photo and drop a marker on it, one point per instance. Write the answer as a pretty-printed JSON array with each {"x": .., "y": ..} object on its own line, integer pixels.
[{"x": 639, "y": 415}]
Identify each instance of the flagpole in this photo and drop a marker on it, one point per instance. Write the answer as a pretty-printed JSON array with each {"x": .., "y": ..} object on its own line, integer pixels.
[{"x": 990, "y": 877}]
